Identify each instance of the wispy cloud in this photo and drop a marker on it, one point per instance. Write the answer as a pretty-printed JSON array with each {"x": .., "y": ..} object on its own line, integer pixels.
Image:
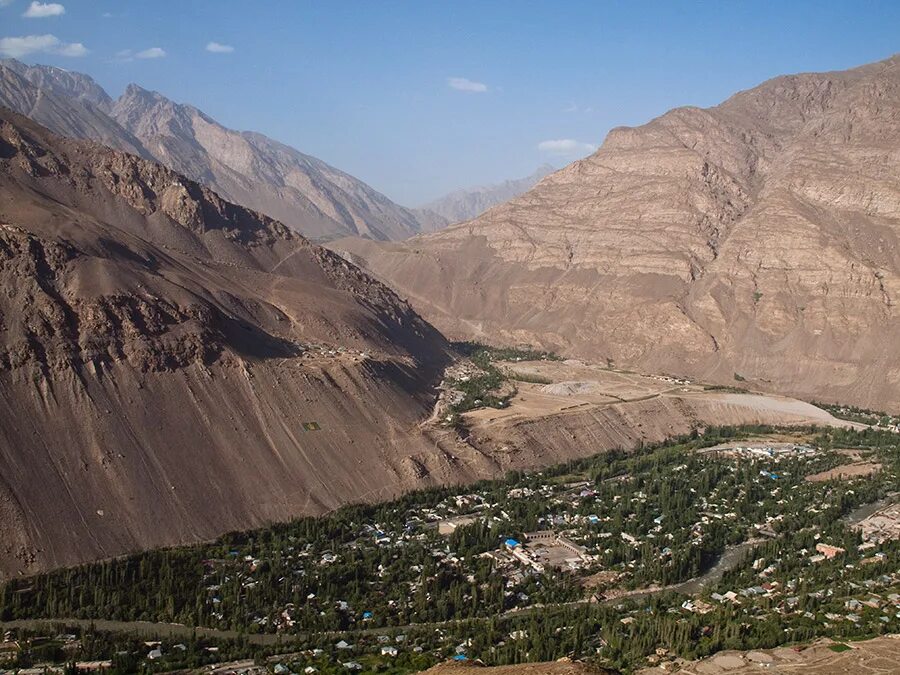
[
  {"x": 565, "y": 147},
  {"x": 467, "y": 85},
  {"x": 41, "y": 10},
  {"x": 152, "y": 53},
  {"x": 219, "y": 48},
  {"x": 17, "y": 47},
  {"x": 6, "y": 3},
  {"x": 575, "y": 108},
  {"x": 126, "y": 55}
]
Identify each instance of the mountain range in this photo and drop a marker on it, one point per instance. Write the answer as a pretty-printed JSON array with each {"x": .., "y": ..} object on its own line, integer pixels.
[
  {"x": 752, "y": 242},
  {"x": 174, "y": 365},
  {"x": 248, "y": 168}
]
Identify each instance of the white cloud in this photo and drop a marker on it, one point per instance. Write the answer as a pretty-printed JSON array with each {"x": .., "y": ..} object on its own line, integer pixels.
[
  {"x": 152, "y": 53},
  {"x": 72, "y": 49},
  {"x": 41, "y": 10},
  {"x": 464, "y": 84},
  {"x": 575, "y": 108},
  {"x": 17, "y": 47},
  {"x": 130, "y": 55},
  {"x": 565, "y": 147},
  {"x": 219, "y": 48}
]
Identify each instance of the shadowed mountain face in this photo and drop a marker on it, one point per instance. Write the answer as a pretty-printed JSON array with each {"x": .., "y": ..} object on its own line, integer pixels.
[
  {"x": 757, "y": 239},
  {"x": 161, "y": 350},
  {"x": 469, "y": 203},
  {"x": 303, "y": 192}
]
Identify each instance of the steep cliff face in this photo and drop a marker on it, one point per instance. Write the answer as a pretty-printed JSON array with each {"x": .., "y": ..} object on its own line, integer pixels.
[
  {"x": 247, "y": 168},
  {"x": 755, "y": 239},
  {"x": 173, "y": 366}
]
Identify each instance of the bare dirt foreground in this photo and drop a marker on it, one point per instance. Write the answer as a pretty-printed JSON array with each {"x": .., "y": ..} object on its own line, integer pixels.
[
  {"x": 879, "y": 656},
  {"x": 561, "y": 667},
  {"x": 846, "y": 472}
]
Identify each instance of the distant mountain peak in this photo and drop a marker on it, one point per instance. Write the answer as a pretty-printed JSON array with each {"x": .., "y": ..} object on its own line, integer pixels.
[
  {"x": 467, "y": 203},
  {"x": 301, "y": 191},
  {"x": 69, "y": 83}
]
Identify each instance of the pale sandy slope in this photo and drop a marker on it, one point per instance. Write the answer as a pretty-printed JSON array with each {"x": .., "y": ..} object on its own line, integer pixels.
[{"x": 879, "y": 656}]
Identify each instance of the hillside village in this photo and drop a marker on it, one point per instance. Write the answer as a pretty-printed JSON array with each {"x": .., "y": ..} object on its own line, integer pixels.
[{"x": 713, "y": 528}]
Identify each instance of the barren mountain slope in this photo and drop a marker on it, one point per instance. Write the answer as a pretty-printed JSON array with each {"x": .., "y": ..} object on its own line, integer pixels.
[
  {"x": 302, "y": 191},
  {"x": 756, "y": 239},
  {"x": 305, "y": 193},
  {"x": 161, "y": 350},
  {"x": 67, "y": 104},
  {"x": 469, "y": 203}
]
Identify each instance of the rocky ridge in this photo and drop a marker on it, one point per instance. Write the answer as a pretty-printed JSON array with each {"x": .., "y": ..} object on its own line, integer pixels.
[{"x": 247, "y": 168}]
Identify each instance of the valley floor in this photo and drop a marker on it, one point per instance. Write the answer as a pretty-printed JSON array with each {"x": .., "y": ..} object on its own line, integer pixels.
[{"x": 676, "y": 551}]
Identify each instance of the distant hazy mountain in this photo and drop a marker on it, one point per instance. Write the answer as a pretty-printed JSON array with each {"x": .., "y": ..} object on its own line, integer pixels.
[
  {"x": 470, "y": 203},
  {"x": 303, "y": 192}
]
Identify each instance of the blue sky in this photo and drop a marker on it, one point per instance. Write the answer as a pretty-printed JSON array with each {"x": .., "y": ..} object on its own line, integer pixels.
[{"x": 418, "y": 98}]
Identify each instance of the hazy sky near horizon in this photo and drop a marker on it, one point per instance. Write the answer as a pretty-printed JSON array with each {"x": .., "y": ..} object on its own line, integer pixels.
[{"x": 420, "y": 98}]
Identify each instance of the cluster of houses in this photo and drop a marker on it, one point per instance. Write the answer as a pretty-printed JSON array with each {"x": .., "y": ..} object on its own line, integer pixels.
[
  {"x": 11, "y": 644},
  {"x": 569, "y": 538},
  {"x": 875, "y": 594},
  {"x": 542, "y": 549},
  {"x": 771, "y": 451},
  {"x": 880, "y": 420}
]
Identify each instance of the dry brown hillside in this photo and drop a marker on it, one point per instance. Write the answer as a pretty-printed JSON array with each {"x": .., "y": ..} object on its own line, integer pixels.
[
  {"x": 161, "y": 350},
  {"x": 757, "y": 239},
  {"x": 561, "y": 667}
]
